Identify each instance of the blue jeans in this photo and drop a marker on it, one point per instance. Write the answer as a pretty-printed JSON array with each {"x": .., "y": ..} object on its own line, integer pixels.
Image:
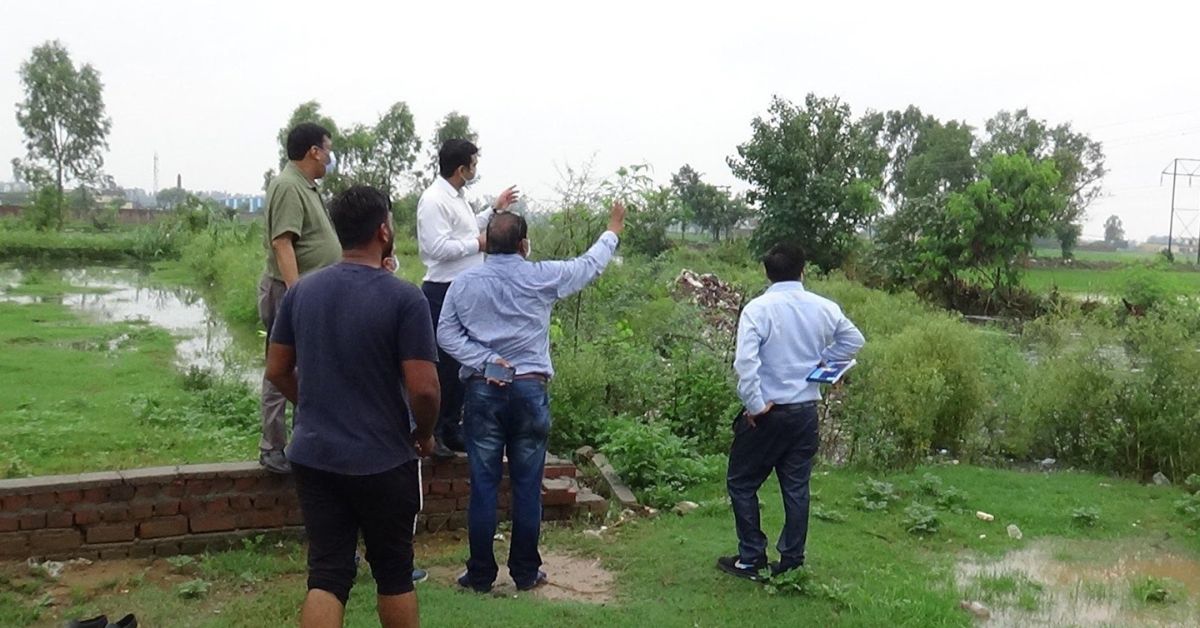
[
  {"x": 499, "y": 419},
  {"x": 785, "y": 440}
]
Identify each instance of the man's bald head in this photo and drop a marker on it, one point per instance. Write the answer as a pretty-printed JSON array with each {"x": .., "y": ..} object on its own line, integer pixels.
[{"x": 505, "y": 232}]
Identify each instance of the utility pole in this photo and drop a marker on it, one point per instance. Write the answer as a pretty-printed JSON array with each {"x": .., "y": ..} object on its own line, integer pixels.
[{"x": 1191, "y": 170}]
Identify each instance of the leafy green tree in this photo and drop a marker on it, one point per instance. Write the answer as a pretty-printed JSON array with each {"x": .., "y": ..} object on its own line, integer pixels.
[
  {"x": 1114, "y": 231},
  {"x": 986, "y": 229},
  {"x": 396, "y": 147},
  {"x": 705, "y": 205},
  {"x": 816, "y": 175},
  {"x": 64, "y": 121},
  {"x": 1078, "y": 158},
  {"x": 928, "y": 157}
]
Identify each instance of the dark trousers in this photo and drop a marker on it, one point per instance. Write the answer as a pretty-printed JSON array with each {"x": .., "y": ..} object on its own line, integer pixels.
[
  {"x": 512, "y": 420},
  {"x": 450, "y": 415},
  {"x": 785, "y": 440}
]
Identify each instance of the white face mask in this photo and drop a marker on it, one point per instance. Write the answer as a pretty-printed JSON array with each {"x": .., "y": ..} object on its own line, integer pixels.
[{"x": 331, "y": 167}]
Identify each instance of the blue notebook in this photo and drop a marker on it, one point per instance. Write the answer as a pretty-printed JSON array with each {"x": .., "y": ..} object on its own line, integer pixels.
[{"x": 830, "y": 373}]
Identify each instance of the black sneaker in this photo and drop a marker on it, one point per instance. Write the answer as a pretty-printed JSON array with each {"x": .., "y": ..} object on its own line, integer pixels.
[
  {"x": 464, "y": 581},
  {"x": 95, "y": 622},
  {"x": 274, "y": 461},
  {"x": 538, "y": 581},
  {"x": 734, "y": 566},
  {"x": 128, "y": 621},
  {"x": 778, "y": 569}
]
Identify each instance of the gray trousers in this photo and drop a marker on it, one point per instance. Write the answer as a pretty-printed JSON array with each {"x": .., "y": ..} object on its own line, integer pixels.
[{"x": 273, "y": 404}]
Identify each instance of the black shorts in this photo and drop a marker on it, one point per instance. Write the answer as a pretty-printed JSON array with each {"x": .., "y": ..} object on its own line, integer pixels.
[{"x": 383, "y": 506}]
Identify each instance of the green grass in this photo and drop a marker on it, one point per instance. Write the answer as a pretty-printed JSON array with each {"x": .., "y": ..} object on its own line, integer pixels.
[
  {"x": 1088, "y": 281},
  {"x": 1099, "y": 256},
  {"x": 664, "y": 566},
  {"x": 71, "y": 391}
]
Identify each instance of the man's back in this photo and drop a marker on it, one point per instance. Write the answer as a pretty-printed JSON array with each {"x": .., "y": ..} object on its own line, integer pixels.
[
  {"x": 785, "y": 333},
  {"x": 351, "y": 326}
]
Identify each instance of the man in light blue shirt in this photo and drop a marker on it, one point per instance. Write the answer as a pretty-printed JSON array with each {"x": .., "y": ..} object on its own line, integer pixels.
[
  {"x": 782, "y": 336},
  {"x": 499, "y": 314}
]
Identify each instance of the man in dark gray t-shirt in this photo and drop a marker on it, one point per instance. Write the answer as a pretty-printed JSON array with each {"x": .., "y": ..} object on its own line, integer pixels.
[{"x": 344, "y": 336}]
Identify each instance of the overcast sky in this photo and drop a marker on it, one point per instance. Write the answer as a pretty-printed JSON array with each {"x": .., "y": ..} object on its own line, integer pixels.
[{"x": 208, "y": 84}]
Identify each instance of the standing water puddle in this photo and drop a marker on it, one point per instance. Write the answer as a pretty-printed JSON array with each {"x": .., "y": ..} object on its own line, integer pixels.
[
  {"x": 1084, "y": 584},
  {"x": 115, "y": 295}
]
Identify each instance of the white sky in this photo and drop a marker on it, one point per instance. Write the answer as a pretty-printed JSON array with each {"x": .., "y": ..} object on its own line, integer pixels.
[{"x": 208, "y": 84}]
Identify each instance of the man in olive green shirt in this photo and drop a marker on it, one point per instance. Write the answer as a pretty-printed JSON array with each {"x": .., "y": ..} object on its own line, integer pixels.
[{"x": 298, "y": 238}]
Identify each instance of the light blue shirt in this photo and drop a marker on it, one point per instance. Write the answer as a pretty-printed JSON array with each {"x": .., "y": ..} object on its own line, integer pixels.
[
  {"x": 502, "y": 308},
  {"x": 782, "y": 336}
]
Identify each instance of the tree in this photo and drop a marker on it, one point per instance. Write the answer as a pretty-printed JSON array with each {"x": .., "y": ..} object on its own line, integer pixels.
[
  {"x": 396, "y": 146},
  {"x": 64, "y": 121},
  {"x": 1114, "y": 231},
  {"x": 454, "y": 126},
  {"x": 928, "y": 157},
  {"x": 1078, "y": 158},
  {"x": 989, "y": 226},
  {"x": 816, "y": 175},
  {"x": 705, "y": 205}
]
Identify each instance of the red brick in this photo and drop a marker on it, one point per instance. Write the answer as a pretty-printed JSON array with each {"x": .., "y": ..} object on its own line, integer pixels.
[
  {"x": 140, "y": 511},
  {"x": 460, "y": 487},
  {"x": 174, "y": 489},
  {"x": 114, "y": 513},
  {"x": 425, "y": 487},
  {"x": 167, "y": 549},
  {"x": 13, "y": 503},
  {"x": 34, "y": 521},
  {"x": 198, "y": 487},
  {"x": 220, "y": 486},
  {"x": 461, "y": 503},
  {"x": 14, "y": 545},
  {"x": 439, "y": 487},
  {"x": 86, "y": 516},
  {"x": 110, "y": 533},
  {"x": 95, "y": 495},
  {"x": 55, "y": 540},
  {"x": 439, "y": 505},
  {"x": 163, "y": 526},
  {"x": 70, "y": 497},
  {"x": 446, "y": 472},
  {"x": 166, "y": 508},
  {"x": 191, "y": 505},
  {"x": 10, "y": 523},
  {"x": 217, "y": 506},
  {"x": 241, "y": 502},
  {"x": 212, "y": 522},
  {"x": 294, "y": 518},
  {"x": 560, "y": 471},
  {"x": 263, "y": 519},
  {"x": 558, "y": 497},
  {"x": 121, "y": 493},
  {"x": 114, "y": 553},
  {"x": 264, "y": 502},
  {"x": 147, "y": 492},
  {"x": 41, "y": 501},
  {"x": 245, "y": 485},
  {"x": 60, "y": 519}
]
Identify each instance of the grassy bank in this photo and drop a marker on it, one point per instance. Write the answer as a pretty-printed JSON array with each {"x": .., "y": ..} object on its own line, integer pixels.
[{"x": 865, "y": 568}]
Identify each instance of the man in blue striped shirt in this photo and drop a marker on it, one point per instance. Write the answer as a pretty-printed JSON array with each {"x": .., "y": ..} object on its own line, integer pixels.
[
  {"x": 782, "y": 336},
  {"x": 498, "y": 313}
]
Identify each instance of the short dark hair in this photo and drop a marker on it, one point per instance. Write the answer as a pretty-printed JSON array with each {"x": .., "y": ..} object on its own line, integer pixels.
[
  {"x": 356, "y": 213},
  {"x": 455, "y": 153},
  {"x": 303, "y": 137},
  {"x": 784, "y": 262},
  {"x": 505, "y": 232}
]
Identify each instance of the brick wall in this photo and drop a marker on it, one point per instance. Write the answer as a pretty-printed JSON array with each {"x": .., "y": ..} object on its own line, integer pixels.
[{"x": 166, "y": 511}]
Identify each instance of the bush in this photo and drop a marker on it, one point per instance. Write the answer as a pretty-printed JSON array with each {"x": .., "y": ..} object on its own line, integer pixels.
[{"x": 655, "y": 462}]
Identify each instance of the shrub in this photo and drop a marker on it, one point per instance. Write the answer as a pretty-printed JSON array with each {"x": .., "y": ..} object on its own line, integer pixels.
[{"x": 655, "y": 462}]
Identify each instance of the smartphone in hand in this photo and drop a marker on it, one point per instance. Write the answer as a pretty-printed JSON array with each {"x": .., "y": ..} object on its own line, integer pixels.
[{"x": 499, "y": 372}]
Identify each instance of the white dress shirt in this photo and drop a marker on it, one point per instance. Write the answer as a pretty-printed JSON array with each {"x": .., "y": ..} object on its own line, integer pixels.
[
  {"x": 448, "y": 232},
  {"x": 782, "y": 336}
]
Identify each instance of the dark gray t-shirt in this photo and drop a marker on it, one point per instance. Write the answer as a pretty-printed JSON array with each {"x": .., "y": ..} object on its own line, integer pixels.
[{"x": 351, "y": 326}]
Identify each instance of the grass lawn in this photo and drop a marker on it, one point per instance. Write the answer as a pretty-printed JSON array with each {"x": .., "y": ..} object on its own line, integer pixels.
[
  {"x": 1100, "y": 256},
  {"x": 1088, "y": 281},
  {"x": 78, "y": 395},
  {"x": 866, "y": 570}
]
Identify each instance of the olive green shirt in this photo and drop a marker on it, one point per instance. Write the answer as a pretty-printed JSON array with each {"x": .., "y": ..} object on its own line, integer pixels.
[{"x": 294, "y": 206}]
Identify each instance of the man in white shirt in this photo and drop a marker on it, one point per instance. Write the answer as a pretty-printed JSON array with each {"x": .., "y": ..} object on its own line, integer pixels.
[
  {"x": 782, "y": 336},
  {"x": 450, "y": 240}
]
